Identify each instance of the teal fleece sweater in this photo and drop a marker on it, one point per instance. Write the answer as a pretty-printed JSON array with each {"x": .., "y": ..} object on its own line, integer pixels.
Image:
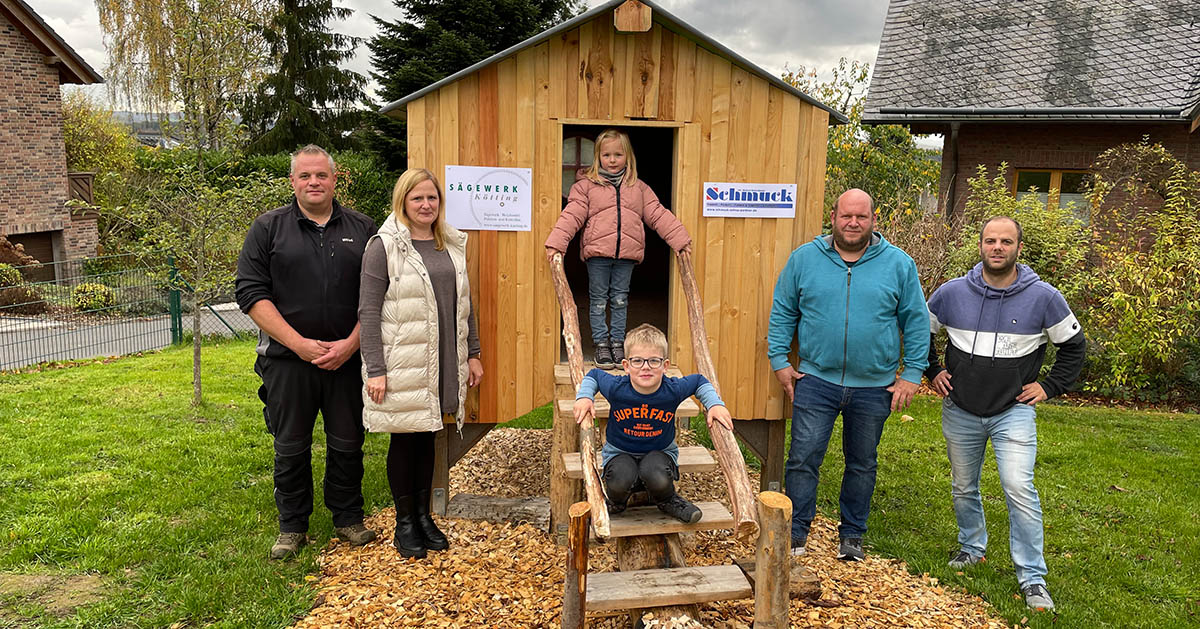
[{"x": 849, "y": 319}]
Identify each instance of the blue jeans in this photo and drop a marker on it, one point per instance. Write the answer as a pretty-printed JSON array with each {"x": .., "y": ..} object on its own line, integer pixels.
[
  {"x": 608, "y": 282},
  {"x": 1014, "y": 439},
  {"x": 815, "y": 408}
]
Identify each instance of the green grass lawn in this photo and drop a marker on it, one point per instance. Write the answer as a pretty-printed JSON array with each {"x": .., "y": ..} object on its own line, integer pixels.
[{"x": 106, "y": 470}]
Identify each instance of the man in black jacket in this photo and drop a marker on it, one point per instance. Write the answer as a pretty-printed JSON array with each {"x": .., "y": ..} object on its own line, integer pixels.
[
  {"x": 298, "y": 280},
  {"x": 999, "y": 318}
]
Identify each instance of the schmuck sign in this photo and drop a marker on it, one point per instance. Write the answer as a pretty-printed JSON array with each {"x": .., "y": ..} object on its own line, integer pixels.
[
  {"x": 749, "y": 200},
  {"x": 498, "y": 199}
]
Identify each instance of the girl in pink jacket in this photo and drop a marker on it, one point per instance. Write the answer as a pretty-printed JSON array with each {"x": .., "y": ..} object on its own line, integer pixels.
[{"x": 610, "y": 203}]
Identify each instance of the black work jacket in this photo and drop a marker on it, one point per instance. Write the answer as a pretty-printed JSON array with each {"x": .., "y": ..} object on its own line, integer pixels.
[{"x": 310, "y": 274}]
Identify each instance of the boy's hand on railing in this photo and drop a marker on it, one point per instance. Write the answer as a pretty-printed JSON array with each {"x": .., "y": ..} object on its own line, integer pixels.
[
  {"x": 585, "y": 410},
  {"x": 721, "y": 415}
]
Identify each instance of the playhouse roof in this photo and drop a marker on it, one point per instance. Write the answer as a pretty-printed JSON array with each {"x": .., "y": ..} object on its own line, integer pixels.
[{"x": 669, "y": 21}]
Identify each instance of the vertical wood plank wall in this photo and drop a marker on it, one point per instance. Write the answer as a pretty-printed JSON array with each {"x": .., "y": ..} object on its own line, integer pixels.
[{"x": 736, "y": 127}]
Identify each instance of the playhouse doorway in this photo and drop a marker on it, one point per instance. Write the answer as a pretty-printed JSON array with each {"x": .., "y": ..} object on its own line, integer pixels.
[{"x": 654, "y": 148}]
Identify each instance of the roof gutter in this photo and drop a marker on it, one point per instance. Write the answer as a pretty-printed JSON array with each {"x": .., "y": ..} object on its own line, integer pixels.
[{"x": 928, "y": 113}]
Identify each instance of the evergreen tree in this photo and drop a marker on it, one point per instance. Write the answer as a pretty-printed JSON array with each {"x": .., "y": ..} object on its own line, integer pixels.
[
  {"x": 308, "y": 98},
  {"x": 436, "y": 38}
]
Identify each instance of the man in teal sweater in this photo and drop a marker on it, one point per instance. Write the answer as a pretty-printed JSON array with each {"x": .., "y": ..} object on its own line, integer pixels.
[{"x": 853, "y": 300}]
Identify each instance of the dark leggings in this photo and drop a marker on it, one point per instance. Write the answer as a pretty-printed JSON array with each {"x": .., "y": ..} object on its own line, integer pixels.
[
  {"x": 410, "y": 463},
  {"x": 626, "y": 473}
]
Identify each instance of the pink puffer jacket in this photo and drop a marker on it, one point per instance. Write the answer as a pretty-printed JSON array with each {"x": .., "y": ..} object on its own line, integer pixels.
[{"x": 608, "y": 233}]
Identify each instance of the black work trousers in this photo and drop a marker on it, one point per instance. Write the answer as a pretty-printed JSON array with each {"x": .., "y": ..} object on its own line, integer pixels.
[
  {"x": 292, "y": 392},
  {"x": 626, "y": 473}
]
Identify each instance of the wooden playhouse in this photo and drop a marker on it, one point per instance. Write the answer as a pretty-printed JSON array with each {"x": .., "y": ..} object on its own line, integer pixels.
[{"x": 696, "y": 112}]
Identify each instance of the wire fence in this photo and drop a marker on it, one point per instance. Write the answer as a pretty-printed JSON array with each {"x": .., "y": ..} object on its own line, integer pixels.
[{"x": 103, "y": 306}]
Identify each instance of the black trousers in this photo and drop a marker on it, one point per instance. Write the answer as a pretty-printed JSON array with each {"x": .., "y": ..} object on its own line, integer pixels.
[
  {"x": 292, "y": 392},
  {"x": 627, "y": 473},
  {"x": 410, "y": 463}
]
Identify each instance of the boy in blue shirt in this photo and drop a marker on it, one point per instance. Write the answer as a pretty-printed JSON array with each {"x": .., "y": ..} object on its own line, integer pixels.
[{"x": 640, "y": 449}]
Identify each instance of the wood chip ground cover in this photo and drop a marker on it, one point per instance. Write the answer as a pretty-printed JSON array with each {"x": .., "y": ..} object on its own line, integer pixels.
[{"x": 511, "y": 575}]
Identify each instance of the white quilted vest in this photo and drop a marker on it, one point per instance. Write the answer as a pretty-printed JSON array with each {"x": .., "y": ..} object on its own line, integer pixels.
[{"x": 410, "y": 336}]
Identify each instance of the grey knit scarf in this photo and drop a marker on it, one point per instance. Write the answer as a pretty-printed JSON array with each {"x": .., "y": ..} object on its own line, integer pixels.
[{"x": 613, "y": 178}]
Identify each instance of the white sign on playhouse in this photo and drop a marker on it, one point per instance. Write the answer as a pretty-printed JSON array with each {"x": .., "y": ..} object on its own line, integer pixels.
[
  {"x": 498, "y": 199},
  {"x": 750, "y": 200}
]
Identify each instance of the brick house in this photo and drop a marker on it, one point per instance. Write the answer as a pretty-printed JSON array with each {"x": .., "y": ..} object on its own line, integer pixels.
[
  {"x": 1044, "y": 85},
  {"x": 34, "y": 62}
]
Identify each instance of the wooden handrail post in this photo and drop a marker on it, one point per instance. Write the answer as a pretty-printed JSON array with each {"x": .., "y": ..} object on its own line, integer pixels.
[
  {"x": 772, "y": 573},
  {"x": 741, "y": 495},
  {"x": 587, "y": 432},
  {"x": 575, "y": 591}
]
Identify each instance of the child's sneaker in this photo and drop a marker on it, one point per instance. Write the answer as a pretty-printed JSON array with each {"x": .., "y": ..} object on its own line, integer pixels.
[
  {"x": 614, "y": 508},
  {"x": 618, "y": 353},
  {"x": 679, "y": 508},
  {"x": 604, "y": 357},
  {"x": 799, "y": 546}
]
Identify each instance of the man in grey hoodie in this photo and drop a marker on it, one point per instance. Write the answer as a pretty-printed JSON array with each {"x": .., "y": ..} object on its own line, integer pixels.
[{"x": 999, "y": 317}]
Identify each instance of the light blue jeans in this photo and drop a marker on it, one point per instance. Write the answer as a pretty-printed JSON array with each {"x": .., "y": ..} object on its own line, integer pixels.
[
  {"x": 1014, "y": 439},
  {"x": 608, "y": 284}
]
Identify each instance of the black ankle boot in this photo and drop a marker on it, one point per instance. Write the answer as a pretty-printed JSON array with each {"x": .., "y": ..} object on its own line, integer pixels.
[
  {"x": 434, "y": 538},
  {"x": 408, "y": 539}
]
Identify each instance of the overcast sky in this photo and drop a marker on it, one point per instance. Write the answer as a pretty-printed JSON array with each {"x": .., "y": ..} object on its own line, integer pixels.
[{"x": 771, "y": 33}]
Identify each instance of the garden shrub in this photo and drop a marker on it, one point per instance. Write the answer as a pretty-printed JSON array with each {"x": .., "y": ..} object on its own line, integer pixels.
[
  {"x": 91, "y": 296},
  {"x": 10, "y": 276},
  {"x": 22, "y": 299}
]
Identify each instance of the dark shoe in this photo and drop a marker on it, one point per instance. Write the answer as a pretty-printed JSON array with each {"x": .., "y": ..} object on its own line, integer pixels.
[
  {"x": 964, "y": 559},
  {"x": 798, "y": 546},
  {"x": 604, "y": 357},
  {"x": 614, "y": 508},
  {"x": 408, "y": 539},
  {"x": 434, "y": 538},
  {"x": 679, "y": 508},
  {"x": 618, "y": 353},
  {"x": 851, "y": 549},
  {"x": 356, "y": 534},
  {"x": 1037, "y": 597},
  {"x": 287, "y": 545}
]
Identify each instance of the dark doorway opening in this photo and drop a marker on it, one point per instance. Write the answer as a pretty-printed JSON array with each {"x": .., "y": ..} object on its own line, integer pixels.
[{"x": 654, "y": 148}]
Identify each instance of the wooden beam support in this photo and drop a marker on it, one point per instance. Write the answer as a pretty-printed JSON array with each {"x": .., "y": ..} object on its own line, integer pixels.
[
  {"x": 471, "y": 435},
  {"x": 587, "y": 432},
  {"x": 728, "y": 454},
  {"x": 771, "y": 583},
  {"x": 646, "y": 552},
  {"x": 767, "y": 439},
  {"x": 633, "y": 17},
  {"x": 575, "y": 591}
]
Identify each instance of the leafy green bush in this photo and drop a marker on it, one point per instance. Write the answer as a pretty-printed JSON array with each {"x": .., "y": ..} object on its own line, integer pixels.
[
  {"x": 91, "y": 296},
  {"x": 10, "y": 276}
]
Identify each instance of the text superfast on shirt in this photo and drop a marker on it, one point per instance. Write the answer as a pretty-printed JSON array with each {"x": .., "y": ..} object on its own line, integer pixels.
[{"x": 643, "y": 423}]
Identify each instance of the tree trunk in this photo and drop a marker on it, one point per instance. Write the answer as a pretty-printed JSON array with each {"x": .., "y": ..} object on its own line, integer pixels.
[
  {"x": 196, "y": 391},
  {"x": 575, "y": 594},
  {"x": 772, "y": 562}
]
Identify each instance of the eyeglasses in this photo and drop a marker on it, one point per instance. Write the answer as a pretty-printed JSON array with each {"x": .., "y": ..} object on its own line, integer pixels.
[{"x": 637, "y": 362}]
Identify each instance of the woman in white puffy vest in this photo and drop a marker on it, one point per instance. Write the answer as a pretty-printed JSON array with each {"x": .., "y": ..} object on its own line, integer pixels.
[{"x": 419, "y": 345}]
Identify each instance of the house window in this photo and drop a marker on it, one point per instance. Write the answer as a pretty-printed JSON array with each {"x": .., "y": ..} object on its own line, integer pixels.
[
  {"x": 578, "y": 152},
  {"x": 1058, "y": 187}
]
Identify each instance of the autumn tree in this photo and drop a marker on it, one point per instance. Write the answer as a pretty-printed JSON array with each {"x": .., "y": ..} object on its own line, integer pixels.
[
  {"x": 306, "y": 98},
  {"x": 884, "y": 160},
  {"x": 436, "y": 38}
]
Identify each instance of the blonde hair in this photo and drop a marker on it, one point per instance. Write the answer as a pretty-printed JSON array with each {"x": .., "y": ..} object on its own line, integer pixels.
[
  {"x": 404, "y": 185},
  {"x": 646, "y": 335},
  {"x": 593, "y": 171}
]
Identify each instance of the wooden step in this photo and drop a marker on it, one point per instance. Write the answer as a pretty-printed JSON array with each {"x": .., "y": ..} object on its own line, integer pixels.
[
  {"x": 639, "y": 589},
  {"x": 691, "y": 459},
  {"x": 562, "y": 372},
  {"x": 687, "y": 408},
  {"x": 650, "y": 521}
]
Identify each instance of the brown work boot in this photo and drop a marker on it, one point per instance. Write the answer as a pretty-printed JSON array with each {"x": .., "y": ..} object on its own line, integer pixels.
[
  {"x": 287, "y": 545},
  {"x": 356, "y": 534}
]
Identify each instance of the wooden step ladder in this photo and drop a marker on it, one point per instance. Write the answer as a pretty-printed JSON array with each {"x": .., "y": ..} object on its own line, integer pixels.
[{"x": 652, "y": 571}]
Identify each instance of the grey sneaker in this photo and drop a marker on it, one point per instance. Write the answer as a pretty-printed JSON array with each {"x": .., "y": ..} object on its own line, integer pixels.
[
  {"x": 679, "y": 508},
  {"x": 851, "y": 549},
  {"x": 288, "y": 544},
  {"x": 1037, "y": 597},
  {"x": 964, "y": 559},
  {"x": 798, "y": 546},
  {"x": 356, "y": 534}
]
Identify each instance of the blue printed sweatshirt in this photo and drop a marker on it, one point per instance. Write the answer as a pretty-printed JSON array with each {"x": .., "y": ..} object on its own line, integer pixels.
[
  {"x": 849, "y": 320},
  {"x": 997, "y": 339},
  {"x": 640, "y": 423}
]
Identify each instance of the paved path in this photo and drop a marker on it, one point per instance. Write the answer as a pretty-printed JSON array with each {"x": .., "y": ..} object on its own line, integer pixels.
[{"x": 30, "y": 340}]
